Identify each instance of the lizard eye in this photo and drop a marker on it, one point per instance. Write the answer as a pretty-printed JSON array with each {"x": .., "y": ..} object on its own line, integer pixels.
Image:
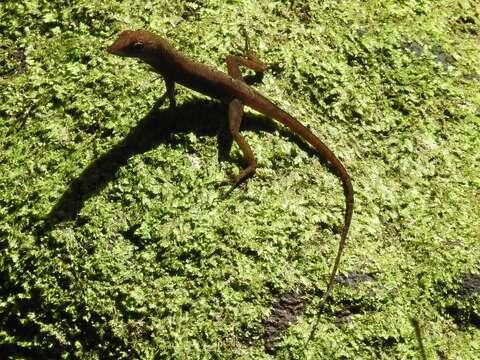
[{"x": 138, "y": 45}]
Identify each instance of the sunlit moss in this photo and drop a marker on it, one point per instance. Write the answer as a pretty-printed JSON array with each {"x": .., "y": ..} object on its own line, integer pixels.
[{"x": 141, "y": 257}]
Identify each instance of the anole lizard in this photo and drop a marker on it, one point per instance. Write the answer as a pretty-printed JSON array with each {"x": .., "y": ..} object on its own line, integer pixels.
[{"x": 232, "y": 90}]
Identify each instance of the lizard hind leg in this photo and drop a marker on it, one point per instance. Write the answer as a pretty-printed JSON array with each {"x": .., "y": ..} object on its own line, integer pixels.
[
  {"x": 233, "y": 67},
  {"x": 249, "y": 61},
  {"x": 235, "y": 114}
]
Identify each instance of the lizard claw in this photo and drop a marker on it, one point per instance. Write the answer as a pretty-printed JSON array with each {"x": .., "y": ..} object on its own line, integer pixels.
[{"x": 234, "y": 181}]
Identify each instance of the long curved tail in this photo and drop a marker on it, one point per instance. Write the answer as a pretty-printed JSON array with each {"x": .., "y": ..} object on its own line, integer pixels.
[{"x": 266, "y": 107}]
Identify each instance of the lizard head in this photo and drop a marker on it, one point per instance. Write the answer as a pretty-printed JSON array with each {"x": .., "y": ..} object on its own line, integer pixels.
[{"x": 132, "y": 44}]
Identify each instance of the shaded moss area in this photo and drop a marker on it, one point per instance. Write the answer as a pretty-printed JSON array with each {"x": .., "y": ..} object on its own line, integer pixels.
[{"x": 116, "y": 240}]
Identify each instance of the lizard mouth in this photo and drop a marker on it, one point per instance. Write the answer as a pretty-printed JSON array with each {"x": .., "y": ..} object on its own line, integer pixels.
[
  {"x": 117, "y": 48},
  {"x": 112, "y": 50}
]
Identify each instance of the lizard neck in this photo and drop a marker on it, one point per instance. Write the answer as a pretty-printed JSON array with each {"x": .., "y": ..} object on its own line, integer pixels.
[{"x": 165, "y": 59}]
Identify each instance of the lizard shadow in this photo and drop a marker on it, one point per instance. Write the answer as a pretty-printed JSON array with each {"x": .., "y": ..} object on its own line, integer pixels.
[{"x": 201, "y": 117}]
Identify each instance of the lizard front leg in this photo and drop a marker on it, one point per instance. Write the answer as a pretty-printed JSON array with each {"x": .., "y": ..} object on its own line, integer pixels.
[
  {"x": 170, "y": 94},
  {"x": 170, "y": 84}
]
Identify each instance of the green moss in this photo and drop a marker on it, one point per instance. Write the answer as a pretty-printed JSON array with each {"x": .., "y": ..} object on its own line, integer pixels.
[{"x": 142, "y": 257}]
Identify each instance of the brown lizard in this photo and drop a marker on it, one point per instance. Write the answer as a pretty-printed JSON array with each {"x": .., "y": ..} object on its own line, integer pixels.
[{"x": 232, "y": 90}]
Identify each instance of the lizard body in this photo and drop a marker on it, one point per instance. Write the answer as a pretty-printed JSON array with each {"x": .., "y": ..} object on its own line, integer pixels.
[{"x": 232, "y": 90}]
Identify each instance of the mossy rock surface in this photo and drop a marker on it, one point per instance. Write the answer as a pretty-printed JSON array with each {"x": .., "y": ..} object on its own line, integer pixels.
[{"x": 116, "y": 241}]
